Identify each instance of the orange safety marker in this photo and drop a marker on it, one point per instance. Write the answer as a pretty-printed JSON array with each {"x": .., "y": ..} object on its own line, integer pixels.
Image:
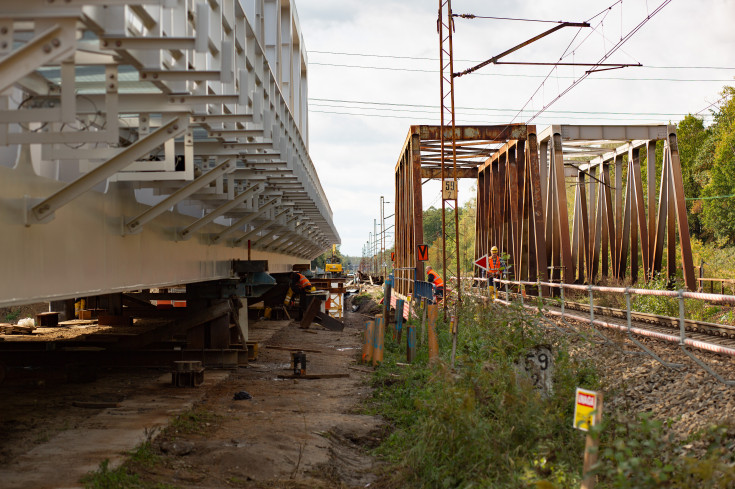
[
  {"x": 379, "y": 335},
  {"x": 367, "y": 343},
  {"x": 433, "y": 313}
]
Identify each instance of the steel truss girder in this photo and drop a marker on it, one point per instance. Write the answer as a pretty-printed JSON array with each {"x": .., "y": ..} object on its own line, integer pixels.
[
  {"x": 241, "y": 92},
  {"x": 609, "y": 225}
]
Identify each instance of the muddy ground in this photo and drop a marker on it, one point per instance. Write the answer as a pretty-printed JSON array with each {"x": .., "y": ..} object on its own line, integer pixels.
[{"x": 291, "y": 433}]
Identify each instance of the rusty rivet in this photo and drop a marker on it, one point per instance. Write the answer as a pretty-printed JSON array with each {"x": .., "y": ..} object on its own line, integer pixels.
[
  {"x": 143, "y": 75},
  {"x": 3, "y": 30},
  {"x": 112, "y": 76},
  {"x": 4, "y": 45},
  {"x": 182, "y": 100},
  {"x": 56, "y": 43},
  {"x": 105, "y": 43},
  {"x": 118, "y": 43},
  {"x": 112, "y": 85},
  {"x": 155, "y": 75},
  {"x": 143, "y": 119},
  {"x": 176, "y": 127},
  {"x": 170, "y": 131},
  {"x": 171, "y": 100}
]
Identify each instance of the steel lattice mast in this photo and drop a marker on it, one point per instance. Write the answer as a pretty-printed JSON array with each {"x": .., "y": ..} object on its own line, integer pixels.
[{"x": 445, "y": 26}]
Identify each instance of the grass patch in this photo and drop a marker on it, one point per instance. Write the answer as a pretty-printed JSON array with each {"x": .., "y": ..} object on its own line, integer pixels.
[
  {"x": 484, "y": 424},
  {"x": 194, "y": 421}
]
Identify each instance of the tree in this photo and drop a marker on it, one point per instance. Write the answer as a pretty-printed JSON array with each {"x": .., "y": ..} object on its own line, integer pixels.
[{"x": 716, "y": 159}]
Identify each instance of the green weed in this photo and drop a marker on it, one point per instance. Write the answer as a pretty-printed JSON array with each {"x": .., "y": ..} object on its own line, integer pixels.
[
  {"x": 194, "y": 421},
  {"x": 484, "y": 425}
]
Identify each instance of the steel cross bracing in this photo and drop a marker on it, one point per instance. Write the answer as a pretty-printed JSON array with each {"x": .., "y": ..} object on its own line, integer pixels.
[
  {"x": 147, "y": 143},
  {"x": 524, "y": 195}
]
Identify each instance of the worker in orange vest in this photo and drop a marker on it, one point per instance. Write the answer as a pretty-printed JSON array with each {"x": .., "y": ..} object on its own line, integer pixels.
[
  {"x": 301, "y": 285},
  {"x": 495, "y": 270},
  {"x": 437, "y": 282}
]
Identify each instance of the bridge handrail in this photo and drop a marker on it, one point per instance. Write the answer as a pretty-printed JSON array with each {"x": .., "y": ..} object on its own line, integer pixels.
[{"x": 729, "y": 299}]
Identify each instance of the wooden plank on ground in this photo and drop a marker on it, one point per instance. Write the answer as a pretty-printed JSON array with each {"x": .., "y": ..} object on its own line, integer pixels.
[
  {"x": 293, "y": 348},
  {"x": 311, "y": 311},
  {"x": 314, "y": 376},
  {"x": 329, "y": 322}
]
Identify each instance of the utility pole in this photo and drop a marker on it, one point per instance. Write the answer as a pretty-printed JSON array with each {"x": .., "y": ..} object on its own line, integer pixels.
[
  {"x": 445, "y": 26},
  {"x": 382, "y": 237},
  {"x": 375, "y": 246}
]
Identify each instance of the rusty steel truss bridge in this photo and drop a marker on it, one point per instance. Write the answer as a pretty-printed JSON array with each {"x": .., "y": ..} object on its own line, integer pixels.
[{"x": 566, "y": 203}]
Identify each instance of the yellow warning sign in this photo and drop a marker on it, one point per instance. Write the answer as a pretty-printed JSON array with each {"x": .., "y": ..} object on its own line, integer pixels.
[{"x": 585, "y": 403}]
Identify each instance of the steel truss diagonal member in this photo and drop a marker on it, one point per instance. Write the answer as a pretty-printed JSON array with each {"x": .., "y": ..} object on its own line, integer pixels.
[
  {"x": 135, "y": 224},
  {"x": 124, "y": 158},
  {"x": 260, "y": 227},
  {"x": 224, "y": 208},
  {"x": 55, "y": 43},
  {"x": 244, "y": 220}
]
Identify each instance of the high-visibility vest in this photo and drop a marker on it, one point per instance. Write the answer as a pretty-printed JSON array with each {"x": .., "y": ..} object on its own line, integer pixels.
[
  {"x": 494, "y": 264},
  {"x": 304, "y": 283},
  {"x": 436, "y": 279}
]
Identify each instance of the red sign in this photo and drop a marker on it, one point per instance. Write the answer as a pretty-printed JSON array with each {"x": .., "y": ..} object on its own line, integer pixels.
[
  {"x": 392, "y": 256},
  {"x": 423, "y": 252},
  {"x": 482, "y": 262}
]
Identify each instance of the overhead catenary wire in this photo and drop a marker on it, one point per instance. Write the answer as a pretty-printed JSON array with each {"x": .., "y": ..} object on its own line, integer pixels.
[
  {"x": 609, "y": 53},
  {"x": 516, "y": 75},
  {"x": 427, "y": 58}
]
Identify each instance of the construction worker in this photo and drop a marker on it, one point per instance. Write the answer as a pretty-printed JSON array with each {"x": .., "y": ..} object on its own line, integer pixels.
[
  {"x": 437, "y": 282},
  {"x": 495, "y": 269},
  {"x": 301, "y": 285}
]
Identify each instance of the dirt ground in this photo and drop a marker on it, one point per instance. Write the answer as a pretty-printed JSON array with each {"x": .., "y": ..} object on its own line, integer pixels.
[{"x": 299, "y": 433}]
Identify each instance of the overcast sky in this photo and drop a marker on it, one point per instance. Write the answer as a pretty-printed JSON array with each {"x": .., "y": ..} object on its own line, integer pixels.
[{"x": 373, "y": 72}]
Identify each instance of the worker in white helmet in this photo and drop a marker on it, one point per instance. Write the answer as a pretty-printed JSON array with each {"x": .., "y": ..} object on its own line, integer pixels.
[{"x": 495, "y": 269}]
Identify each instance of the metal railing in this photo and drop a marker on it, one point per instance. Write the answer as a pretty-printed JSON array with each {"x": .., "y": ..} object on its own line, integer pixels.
[{"x": 680, "y": 295}]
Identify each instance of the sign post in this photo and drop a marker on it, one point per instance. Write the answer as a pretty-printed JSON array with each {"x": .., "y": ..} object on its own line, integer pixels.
[{"x": 588, "y": 412}]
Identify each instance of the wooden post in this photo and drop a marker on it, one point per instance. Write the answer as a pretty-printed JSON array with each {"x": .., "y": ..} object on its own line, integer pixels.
[
  {"x": 399, "y": 321},
  {"x": 410, "y": 342},
  {"x": 591, "y": 447},
  {"x": 367, "y": 344},
  {"x": 379, "y": 335},
  {"x": 423, "y": 321},
  {"x": 433, "y": 313}
]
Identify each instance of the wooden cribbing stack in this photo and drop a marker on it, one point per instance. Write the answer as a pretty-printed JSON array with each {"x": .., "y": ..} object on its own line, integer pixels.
[{"x": 187, "y": 374}]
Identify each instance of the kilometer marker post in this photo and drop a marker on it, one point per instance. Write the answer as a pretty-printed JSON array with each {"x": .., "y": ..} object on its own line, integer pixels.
[{"x": 588, "y": 412}]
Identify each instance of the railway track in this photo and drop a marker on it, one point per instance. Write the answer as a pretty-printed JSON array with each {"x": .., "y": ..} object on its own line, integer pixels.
[
  {"x": 712, "y": 337},
  {"x": 690, "y": 325}
]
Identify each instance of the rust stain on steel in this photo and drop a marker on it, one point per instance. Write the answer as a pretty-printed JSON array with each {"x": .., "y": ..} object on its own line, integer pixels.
[{"x": 470, "y": 133}]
